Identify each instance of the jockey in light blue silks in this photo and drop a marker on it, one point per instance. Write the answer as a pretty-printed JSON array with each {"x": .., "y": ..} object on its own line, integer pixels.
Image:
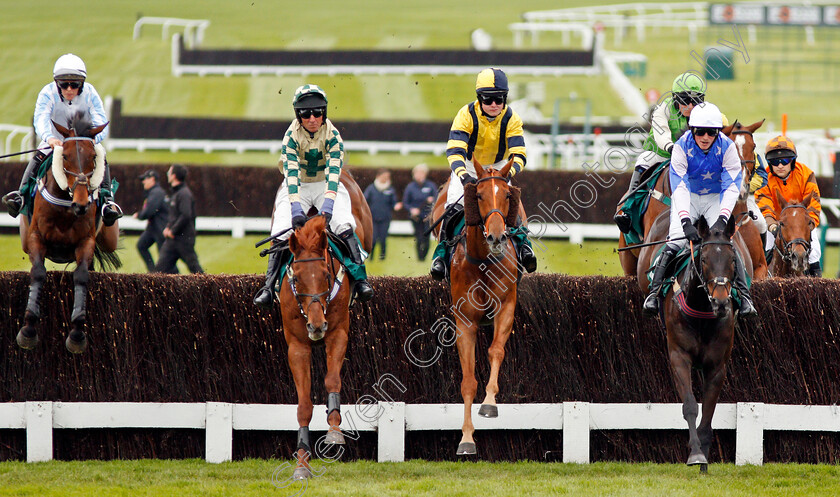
[{"x": 705, "y": 181}]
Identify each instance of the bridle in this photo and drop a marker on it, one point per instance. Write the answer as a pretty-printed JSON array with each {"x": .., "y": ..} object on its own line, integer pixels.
[
  {"x": 787, "y": 255},
  {"x": 333, "y": 283},
  {"x": 717, "y": 281},
  {"x": 81, "y": 178},
  {"x": 494, "y": 210},
  {"x": 745, "y": 132}
]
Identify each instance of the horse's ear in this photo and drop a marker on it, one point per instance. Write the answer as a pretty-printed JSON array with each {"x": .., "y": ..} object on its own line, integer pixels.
[
  {"x": 702, "y": 227},
  {"x": 807, "y": 200},
  {"x": 96, "y": 130},
  {"x": 730, "y": 227},
  {"x": 479, "y": 170},
  {"x": 728, "y": 130},
  {"x": 781, "y": 200},
  {"x": 505, "y": 170},
  {"x": 61, "y": 129},
  {"x": 294, "y": 245},
  {"x": 754, "y": 126}
]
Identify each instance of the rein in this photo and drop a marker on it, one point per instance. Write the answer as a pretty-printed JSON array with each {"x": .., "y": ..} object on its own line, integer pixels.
[
  {"x": 787, "y": 255},
  {"x": 492, "y": 259},
  {"x": 333, "y": 283},
  {"x": 81, "y": 178}
]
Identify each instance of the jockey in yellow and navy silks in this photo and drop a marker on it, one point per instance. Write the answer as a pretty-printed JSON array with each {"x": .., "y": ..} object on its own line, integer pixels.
[
  {"x": 311, "y": 161},
  {"x": 705, "y": 178},
  {"x": 489, "y": 130}
]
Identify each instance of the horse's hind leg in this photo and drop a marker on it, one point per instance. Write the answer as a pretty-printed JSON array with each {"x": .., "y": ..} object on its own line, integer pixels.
[
  {"x": 466, "y": 352},
  {"x": 681, "y": 368},
  {"x": 77, "y": 341},
  {"x": 502, "y": 329}
]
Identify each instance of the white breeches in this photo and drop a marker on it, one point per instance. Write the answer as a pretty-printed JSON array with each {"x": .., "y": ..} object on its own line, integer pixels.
[
  {"x": 816, "y": 248},
  {"x": 311, "y": 194},
  {"x": 456, "y": 189},
  {"x": 707, "y": 206},
  {"x": 647, "y": 159},
  {"x": 760, "y": 222}
]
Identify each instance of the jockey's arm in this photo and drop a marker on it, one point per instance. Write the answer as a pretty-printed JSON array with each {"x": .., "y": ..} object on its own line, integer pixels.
[
  {"x": 290, "y": 166},
  {"x": 811, "y": 188},
  {"x": 730, "y": 181},
  {"x": 456, "y": 147},
  {"x": 659, "y": 125},
  {"x": 680, "y": 197},
  {"x": 43, "y": 112},
  {"x": 515, "y": 144},
  {"x": 335, "y": 160},
  {"x": 97, "y": 111},
  {"x": 764, "y": 198}
]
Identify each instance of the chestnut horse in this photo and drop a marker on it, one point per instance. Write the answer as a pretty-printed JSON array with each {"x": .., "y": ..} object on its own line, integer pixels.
[
  {"x": 700, "y": 323},
  {"x": 483, "y": 282},
  {"x": 793, "y": 238},
  {"x": 63, "y": 228},
  {"x": 315, "y": 305},
  {"x": 629, "y": 259}
]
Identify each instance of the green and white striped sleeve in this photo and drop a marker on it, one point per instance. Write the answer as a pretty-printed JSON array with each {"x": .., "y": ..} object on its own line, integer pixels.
[
  {"x": 291, "y": 166},
  {"x": 335, "y": 150}
]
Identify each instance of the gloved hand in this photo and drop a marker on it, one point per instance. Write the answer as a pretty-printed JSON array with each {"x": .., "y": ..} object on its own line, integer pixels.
[
  {"x": 690, "y": 231},
  {"x": 720, "y": 224},
  {"x": 467, "y": 179},
  {"x": 327, "y": 208},
  {"x": 669, "y": 147},
  {"x": 298, "y": 218}
]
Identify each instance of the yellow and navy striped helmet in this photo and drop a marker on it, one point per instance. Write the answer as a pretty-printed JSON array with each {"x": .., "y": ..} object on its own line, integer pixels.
[
  {"x": 780, "y": 146},
  {"x": 491, "y": 81}
]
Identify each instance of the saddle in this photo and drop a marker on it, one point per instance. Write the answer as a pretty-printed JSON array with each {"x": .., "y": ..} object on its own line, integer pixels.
[{"x": 637, "y": 202}]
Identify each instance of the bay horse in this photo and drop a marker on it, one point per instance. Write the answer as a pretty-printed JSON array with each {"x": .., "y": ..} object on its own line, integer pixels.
[
  {"x": 63, "y": 227},
  {"x": 699, "y": 318},
  {"x": 314, "y": 301},
  {"x": 793, "y": 238},
  {"x": 483, "y": 283}
]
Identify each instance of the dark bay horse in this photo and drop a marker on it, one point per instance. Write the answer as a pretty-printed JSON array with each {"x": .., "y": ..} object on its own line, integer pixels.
[
  {"x": 315, "y": 305},
  {"x": 793, "y": 238},
  {"x": 63, "y": 228},
  {"x": 700, "y": 324},
  {"x": 483, "y": 282}
]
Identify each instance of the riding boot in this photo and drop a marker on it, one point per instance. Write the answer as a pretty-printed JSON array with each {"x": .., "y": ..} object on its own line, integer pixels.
[
  {"x": 110, "y": 210},
  {"x": 747, "y": 309},
  {"x": 526, "y": 253},
  {"x": 815, "y": 270},
  {"x": 364, "y": 291},
  {"x": 441, "y": 255},
  {"x": 14, "y": 200},
  {"x": 622, "y": 220},
  {"x": 651, "y": 305},
  {"x": 265, "y": 296}
]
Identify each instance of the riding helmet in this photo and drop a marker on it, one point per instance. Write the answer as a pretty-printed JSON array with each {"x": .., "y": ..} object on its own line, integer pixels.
[
  {"x": 780, "y": 147},
  {"x": 69, "y": 66},
  {"x": 491, "y": 81},
  {"x": 705, "y": 115}
]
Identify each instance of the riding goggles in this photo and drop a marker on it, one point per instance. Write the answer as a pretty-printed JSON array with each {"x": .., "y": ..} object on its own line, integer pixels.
[
  {"x": 306, "y": 113},
  {"x": 688, "y": 98},
  {"x": 713, "y": 132},
  {"x": 492, "y": 99},
  {"x": 781, "y": 161},
  {"x": 69, "y": 84}
]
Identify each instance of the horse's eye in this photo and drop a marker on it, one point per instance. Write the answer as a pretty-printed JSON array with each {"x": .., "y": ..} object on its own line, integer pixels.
[
  {"x": 509, "y": 195},
  {"x": 478, "y": 196}
]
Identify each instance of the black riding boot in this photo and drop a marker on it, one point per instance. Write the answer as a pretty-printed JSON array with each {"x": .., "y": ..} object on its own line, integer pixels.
[
  {"x": 740, "y": 284},
  {"x": 438, "y": 269},
  {"x": 110, "y": 210},
  {"x": 527, "y": 258},
  {"x": 13, "y": 200},
  {"x": 815, "y": 270},
  {"x": 364, "y": 291},
  {"x": 622, "y": 220},
  {"x": 265, "y": 296},
  {"x": 651, "y": 305}
]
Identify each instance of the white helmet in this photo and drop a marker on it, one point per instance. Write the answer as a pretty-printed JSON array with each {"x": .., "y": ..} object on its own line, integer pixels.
[
  {"x": 69, "y": 65},
  {"x": 705, "y": 115}
]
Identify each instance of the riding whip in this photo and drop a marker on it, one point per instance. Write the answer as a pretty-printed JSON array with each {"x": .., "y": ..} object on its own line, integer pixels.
[
  {"x": 452, "y": 206},
  {"x": 640, "y": 245},
  {"x": 24, "y": 152}
]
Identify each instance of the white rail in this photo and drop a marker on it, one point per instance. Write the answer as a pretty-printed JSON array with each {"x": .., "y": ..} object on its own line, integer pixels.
[
  {"x": 391, "y": 420},
  {"x": 193, "y": 28},
  {"x": 15, "y": 132}
]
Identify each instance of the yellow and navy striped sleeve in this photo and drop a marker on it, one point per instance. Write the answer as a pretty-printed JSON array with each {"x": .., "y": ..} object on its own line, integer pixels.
[
  {"x": 291, "y": 165},
  {"x": 459, "y": 136},
  {"x": 516, "y": 143},
  {"x": 335, "y": 149}
]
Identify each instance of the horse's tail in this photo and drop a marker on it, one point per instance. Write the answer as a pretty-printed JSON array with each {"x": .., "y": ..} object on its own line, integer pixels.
[{"x": 108, "y": 261}]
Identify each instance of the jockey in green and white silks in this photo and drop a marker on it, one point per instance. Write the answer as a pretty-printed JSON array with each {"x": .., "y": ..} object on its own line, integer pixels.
[
  {"x": 311, "y": 160},
  {"x": 490, "y": 130},
  {"x": 706, "y": 178}
]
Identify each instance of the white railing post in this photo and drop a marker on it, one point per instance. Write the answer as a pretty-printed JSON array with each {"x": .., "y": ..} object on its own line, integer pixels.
[
  {"x": 576, "y": 432},
  {"x": 218, "y": 432},
  {"x": 391, "y": 436},
  {"x": 749, "y": 433},
  {"x": 39, "y": 431}
]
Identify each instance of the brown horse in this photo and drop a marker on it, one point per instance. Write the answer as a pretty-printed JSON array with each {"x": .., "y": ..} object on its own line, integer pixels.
[
  {"x": 700, "y": 324},
  {"x": 793, "y": 238},
  {"x": 315, "y": 305},
  {"x": 483, "y": 282},
  {"x": 63, "y": 227}
]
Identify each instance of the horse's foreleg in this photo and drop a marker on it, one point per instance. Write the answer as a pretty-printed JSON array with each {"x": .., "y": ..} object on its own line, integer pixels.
[
  {"x": 503, "y": 325},
  {"x": 714, "y": 377},
  {"x": 681, "y": 369},
  {"x": 300, "y": 362},
  {"x": 466, "y": 352},
  {"x": 336, "y": 345},
  {"x": 77, "y": 341}
]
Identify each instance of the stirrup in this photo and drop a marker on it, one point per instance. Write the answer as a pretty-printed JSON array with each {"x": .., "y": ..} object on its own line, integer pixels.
[
  {"x": 110, "y": 216},
  {"x": 651, "y": 305},
  {"x": 438, "y": 274},
  {"x": 13, "y": 202}
]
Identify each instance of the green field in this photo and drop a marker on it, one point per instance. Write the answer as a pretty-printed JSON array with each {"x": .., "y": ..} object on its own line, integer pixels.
[{"x": 254, "y": 478}]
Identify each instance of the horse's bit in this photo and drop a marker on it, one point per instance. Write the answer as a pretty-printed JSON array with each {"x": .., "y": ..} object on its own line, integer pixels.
[
  {"x": 333, "y": 286},
  {"x": 717, "y": 280},
  {"x": 787, "y": 255}
]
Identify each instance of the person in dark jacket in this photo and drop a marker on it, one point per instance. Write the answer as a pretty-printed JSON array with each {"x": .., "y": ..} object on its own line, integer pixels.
[
  {"x": 382, "y": 199},
  {"x": 156, "y": 210},
  {"x": 180, "y": 230},
  {"x": 418, "y": 199}
]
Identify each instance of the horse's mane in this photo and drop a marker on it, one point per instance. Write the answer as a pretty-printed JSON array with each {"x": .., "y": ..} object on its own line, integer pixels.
[
  {"x": 81, "y": 123},
  {"x": 309, "y": 235}
]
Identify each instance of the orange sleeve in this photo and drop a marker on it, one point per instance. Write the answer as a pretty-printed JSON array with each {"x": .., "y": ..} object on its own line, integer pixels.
[
  {"x": 764, "y": 199},
  {"x": 812, "y": 188}
]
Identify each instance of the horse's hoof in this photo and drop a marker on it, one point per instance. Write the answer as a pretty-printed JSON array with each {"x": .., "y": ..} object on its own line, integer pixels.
[
  {"x": 76, "y": 342},
  {"x": 466, "y": 449},
  {"x": 704, "y": 469},
  {"x": 302, "y": 473},
  {"x": 27, "y": 337},
  {"x": 334, "y": 437},
  {"x": 695, "y": 459},
  {"x": 488, "y": 411}
]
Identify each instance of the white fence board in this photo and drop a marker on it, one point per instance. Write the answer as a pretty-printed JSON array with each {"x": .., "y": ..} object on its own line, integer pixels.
[
  {"x": 127, "y": 415},
  {"x": 425, "y": 417},
  {"x": 12, "y": 415},
  {"x": 653, "y": 417}
]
